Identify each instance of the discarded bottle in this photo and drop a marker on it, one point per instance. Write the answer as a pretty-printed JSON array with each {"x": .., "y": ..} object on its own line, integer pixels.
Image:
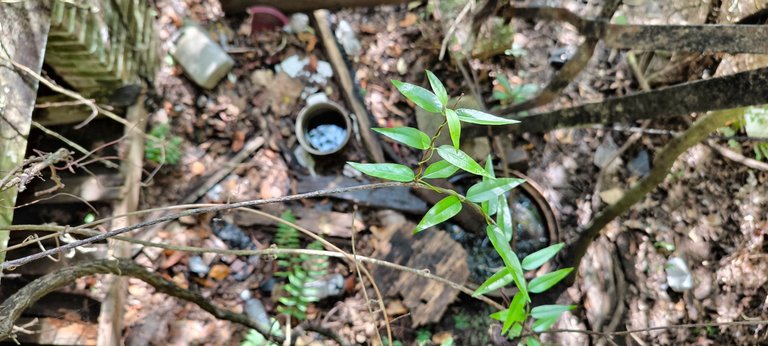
[{"x": 204, "y": 61}]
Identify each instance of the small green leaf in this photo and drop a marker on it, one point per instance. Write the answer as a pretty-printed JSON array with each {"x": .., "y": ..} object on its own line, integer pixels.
[
  {"x": 550, "y": 311},
  {"x": 443, "y": 210},
  {"x": 515, "y": 313},
  {"x": 439, "y": 170},
  {"x": 438, "y": 88},
  {"x": 420, "y": 96},
  {"x": 531, "y": 341},
  {"x": 89, "y": 218},
  {"x": 482, "y": 118},
  {"x": 407, "y": 135},
  {"x": 509, "y": 257},
  {"x": 454, "y": 126},
  {"x": 498, "y": 280},
  {"x": 492, "y": 189},
  {"x": 538, "y": 258},
  {"x": 516, "y": 330},
  {"x": 543, "y": 324},
  {"x": 544, "y": 282},
  {"x": 504, "y": 217},
  {"x": 389, "y": 171},
  {"x": 504, "y": 82},
  {"x": 460, "y": 159}
]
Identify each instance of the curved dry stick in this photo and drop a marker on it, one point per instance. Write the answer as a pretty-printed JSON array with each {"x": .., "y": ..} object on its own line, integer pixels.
[
  {"x": 12, "y": 307},
  {"x": 251, "y": 203}
]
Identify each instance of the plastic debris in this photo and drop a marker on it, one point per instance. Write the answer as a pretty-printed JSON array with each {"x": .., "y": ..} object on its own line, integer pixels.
[
  {"x": 347, "y": 38},
  {"x": 679, "y": 277},
  {"x": 254, "y": 309},
  {"x": 198, "y": 266},
  {"x": 266, "y": 18},
  {"x": 756, "y": 121},
  {"x": 299, "y": 23},
  {"x": 295, "y": 67},
  {"x": 204, "y": 61}
]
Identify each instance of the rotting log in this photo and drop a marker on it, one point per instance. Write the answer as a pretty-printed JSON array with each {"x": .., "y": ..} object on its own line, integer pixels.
[
  {"x": 741, "y": 89},
  {"x": 232, "y": 7},
  {"x": 23, "y": 35}
]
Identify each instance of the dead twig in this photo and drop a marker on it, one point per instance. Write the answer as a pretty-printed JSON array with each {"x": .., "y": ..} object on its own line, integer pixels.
[
  {"x": 264, "y": 252},
  {"x": 35, "y": 165},
  {"x": 736, "y": 157},
  {"x": 251, "y": 203}
]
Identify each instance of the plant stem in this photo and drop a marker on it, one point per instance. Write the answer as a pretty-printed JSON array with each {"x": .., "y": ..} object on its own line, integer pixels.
[{"x": 431, "y": 150}]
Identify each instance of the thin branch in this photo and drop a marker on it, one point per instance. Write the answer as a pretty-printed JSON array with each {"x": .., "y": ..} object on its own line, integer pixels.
[
  {"x": 12, "y": 307},
  {"x": 251, "y": 203},
  {"x": 736, "y": 157},
  {"x": 362, "y": 284},
  {"x": 264, "y": 252}
]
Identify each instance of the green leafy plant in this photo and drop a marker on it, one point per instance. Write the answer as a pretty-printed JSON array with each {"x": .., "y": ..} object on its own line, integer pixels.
[
  {"x": 165, "y": 151},
  {"x": 298, "y": 269},
  {"x": 461, "y": 321},
  {"x": 423, "y": 337},
  {"x": 506, "y": 94},
  {"x": 487, "y": 196}
]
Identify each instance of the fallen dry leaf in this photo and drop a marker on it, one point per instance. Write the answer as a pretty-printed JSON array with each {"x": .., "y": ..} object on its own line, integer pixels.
[
  {"x": 180, "y": 280},
  {"x": 309, "y": 39},
  {"x": 238, "y": 140},
  {"x": 197, "y": 168},
  {"x": 409, "y": 20},
  {"x": 171, "y": 259},
  {"x": 219, "y": 272}
]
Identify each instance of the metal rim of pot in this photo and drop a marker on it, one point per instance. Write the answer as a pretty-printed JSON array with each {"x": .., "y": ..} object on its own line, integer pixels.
[{"x": 308, "y": 113}]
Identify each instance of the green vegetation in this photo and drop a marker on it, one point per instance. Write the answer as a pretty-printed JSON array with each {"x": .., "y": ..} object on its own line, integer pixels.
[
  {"x": 165, "y": 151},
  {"x": 487, "y": 196}
]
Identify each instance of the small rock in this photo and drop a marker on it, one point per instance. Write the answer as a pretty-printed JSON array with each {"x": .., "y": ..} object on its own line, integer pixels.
[
  {"x": 232, "y": 235},
  {"x": 604, "y": 151},
  {"x": 640, "y": 165},
  {"x": 704, "y": 286},
  {"x": 679, "y": 277},
  {"x": 198, "y": 266},
  {"x": 612, "y": 196}
]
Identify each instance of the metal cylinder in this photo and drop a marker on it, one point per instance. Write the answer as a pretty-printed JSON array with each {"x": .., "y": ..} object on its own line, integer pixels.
[{"x": 323, "y": 128}]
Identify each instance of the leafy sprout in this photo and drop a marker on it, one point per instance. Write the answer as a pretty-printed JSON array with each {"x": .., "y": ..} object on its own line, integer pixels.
[{"x": 487, "y": 196}]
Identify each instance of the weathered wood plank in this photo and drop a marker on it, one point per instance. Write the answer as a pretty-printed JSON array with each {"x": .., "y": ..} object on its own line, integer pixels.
[
  {"x": 113, "y": 307},
  {"x": 23, "y": 35}
]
